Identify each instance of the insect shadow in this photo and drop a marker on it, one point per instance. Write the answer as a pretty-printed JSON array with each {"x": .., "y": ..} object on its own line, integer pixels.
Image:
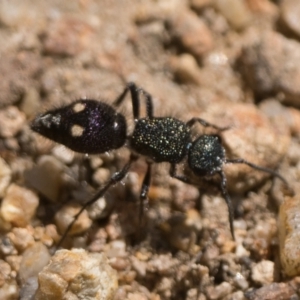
[{"x": 94, "y": 127}]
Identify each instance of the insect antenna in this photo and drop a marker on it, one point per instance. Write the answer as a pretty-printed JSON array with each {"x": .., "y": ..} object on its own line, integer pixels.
[
  {"x": 263, "y": 169},
  {"x": 116, "y": 177}
]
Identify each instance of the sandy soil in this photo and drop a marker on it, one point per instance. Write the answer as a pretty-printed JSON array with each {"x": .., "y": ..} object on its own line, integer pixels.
[{"x": 232, "y": 63}]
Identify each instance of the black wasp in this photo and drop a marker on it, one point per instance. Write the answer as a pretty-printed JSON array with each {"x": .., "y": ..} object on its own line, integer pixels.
[{"x": 94, "y": 127}]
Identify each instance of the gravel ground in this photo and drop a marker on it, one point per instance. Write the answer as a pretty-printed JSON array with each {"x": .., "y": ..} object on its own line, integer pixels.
[{"x": 231, "y": 62}]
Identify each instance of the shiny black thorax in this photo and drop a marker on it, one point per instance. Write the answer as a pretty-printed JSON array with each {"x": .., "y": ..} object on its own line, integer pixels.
[{"x": 160, "y": 139}]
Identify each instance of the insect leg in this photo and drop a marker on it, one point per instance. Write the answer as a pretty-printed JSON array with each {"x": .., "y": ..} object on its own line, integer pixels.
[
  {"x": 204, "y": 123},
  {"x": 228, "y": 201},
  {"x": 116, "y": 177}
]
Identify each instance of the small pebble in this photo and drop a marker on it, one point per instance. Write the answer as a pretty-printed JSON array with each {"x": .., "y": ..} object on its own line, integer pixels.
[
  {"x": 165, "y": 287},
  {"x": 294, "y": 120},
  {"x": 31, "y": 102},
  {"x": 67, "y": 36},
  {"x": 5, "y": 271},
  {"x": 186, "y": 69},
  {"x": 263, "y": 272},
  {"x": 219, "y": 291},
  {"x": 139, "y": 266},
  {"x": 66, "y": 215},
  {"x": 19, "y": 205},
  {"x": 64, "y": 154},
  {"x": 228, "y": 246},
  {"x": 99, "y": 241},
  {"x": 16, "y": 16},
  {"x": 101, "y": 208},
  {"x": 5, "y": 177},
  {"x": 34, "y": 259},
  {"x": 210, "y": 256},
  {"x": 8, "y": 285},
  {"x": 290, "y": 11},
  {"x": 117, "y": 248},
  {"x": 269, "y": 63},
  {"x": 47, "y": 177},
  {"x": 240, "y": 251},
  {"x": 122, "y": 264},
  {"x": 162, "y": 264},
  {"x": 183, "y": 198},
  {"x": 12, "y": 144},
  {"x": 11, "y": 121},
  {"x": 264, "y": 8},
  {"x": 147, "y": 12},
  {"x": 21, "y": 238},
  {"x": 181, "y": 231},
  {"x": 46, "y": 234},
  {"x": 274, "y": 291},
  {"x": 14, "y": 83},
  {"x": 29, "y": 289},
  {"x": 113, "y": 232},
  {"x": 240, "y": 281},
  {"x": 14, "y": 261},
  {"x": 289, "y": 235},
  {"x": 101, "y": 176},
  {"x": 198, "y": 5},
  {"x": 6, "y": 247},
  {"x": 192, "y": 32},
  {"x": 128, "y": 277},
  {"x": 95, "y": 162},
  {"x": 235, "y": 11},
  {"x": 253, "y": 138},
  {"x": 9, "y": 290},
  {"x": 239, "y": 295},
  {"x": 77, "y": 274}
]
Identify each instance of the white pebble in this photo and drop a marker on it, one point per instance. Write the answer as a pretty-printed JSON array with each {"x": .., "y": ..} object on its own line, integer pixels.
[
  {"x": 263, "y": 272},
  {"x": 64, "y": 154},
  {"x": 11, "y": 121},
  {"x": 46, "y": 177},
  {"x": 289, "y": 236},
  {"x": 77, "y": 274},
  {"x": 19, "y": 205}
]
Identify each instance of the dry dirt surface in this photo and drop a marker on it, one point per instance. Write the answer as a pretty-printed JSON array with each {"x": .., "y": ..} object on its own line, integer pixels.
[{"x": 231, "y": 62}]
